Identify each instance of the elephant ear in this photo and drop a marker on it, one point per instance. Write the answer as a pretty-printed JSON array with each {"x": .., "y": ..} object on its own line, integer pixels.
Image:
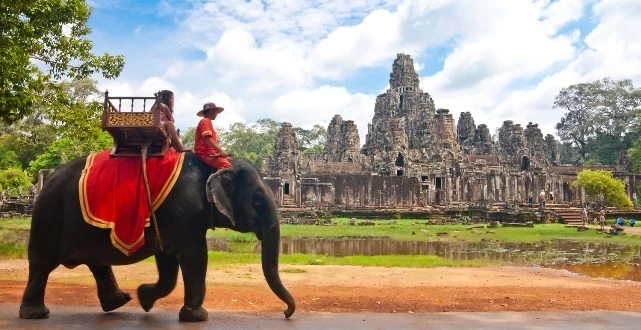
[{"x": 219, "y": 192}]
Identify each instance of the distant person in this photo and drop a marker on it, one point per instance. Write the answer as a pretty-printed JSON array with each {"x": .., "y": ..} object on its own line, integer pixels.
[
  {"x": 620, "y": 222},
  {"x": 602, "y": 218},
  {"x": 530, "y": 200},
  {"x": 584, "y": 216},
  {"x": 542, "y": 198},
  {"x": 632, "y": 222}
]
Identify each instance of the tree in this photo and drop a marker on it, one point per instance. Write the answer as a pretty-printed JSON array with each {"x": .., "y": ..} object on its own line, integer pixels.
[
  {"x": 189, "y": 137},
  {"x": 8, "y": 159},
  {"x": 600, "y": 119},
  {"x": 74, "y": 110},
  {"x": 71, "y": 111},
  {"x": 618, "y": 105},
  {"x": 635, "y": 154},
  {"x": 253, "y": 142},
  {"x": 601, "y": 183},
  {"x": 66, "y": 149},
  {"x": 12, "y": 179},
  {"x": 568, "y": 153},
  {"x": 312, "y": 140},
  {"x": 27, "y": 141},
  {"x": 47, "y": 34},
  {"x": 577, "y": 124}
]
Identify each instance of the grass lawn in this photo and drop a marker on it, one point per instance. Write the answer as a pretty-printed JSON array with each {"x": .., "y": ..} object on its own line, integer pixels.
[
  {"x": 232, "y": 258},
  {"x": 414, "y": 230}
]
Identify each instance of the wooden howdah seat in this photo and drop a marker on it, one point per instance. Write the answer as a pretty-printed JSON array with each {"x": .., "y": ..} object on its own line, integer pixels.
[{"x": 131, "y": 124}]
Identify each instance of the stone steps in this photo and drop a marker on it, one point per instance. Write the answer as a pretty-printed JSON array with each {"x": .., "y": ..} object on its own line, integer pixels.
[{"x": 569, "y": 215}]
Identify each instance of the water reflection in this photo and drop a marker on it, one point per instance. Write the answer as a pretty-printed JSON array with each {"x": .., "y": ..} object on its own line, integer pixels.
[{"x": 593, "y": 259}]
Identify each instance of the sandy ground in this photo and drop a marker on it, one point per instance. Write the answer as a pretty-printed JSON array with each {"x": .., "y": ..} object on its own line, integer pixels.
[{"x": 354, "y": 289}]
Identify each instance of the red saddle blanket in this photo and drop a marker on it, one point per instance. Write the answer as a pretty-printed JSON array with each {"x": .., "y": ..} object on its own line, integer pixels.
[{"x": 112, "y": 194}]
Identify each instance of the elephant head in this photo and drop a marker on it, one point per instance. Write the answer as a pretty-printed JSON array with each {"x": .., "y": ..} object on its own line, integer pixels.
[{"x": 245, "y": 204}]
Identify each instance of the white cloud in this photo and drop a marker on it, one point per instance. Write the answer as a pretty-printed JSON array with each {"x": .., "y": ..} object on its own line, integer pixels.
[
  {"x": 613, "y": 50},
  {"x": 187, "y": 105},
  {"x": 559, "y": 13},
  {"x": 307, "y": 107}
]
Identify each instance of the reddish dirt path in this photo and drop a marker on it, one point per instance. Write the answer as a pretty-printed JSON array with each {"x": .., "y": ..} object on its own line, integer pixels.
[{"x": 355, "y": 289}]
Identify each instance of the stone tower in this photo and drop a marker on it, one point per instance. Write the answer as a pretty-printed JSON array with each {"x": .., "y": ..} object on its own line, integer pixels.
[
  {"x": 483, "y": 144},
  {"x": 465, "y": 129},
  {"x": 445, "y": 131},
  {"x": 283, "y": 160},
  {"x": 534, "y": 141},
  {"x": 511, "y": 139},
  {"x": 403, "y": 120},
  {"x": 343, "y": 142},
  {"x": 551, "y": 150}
]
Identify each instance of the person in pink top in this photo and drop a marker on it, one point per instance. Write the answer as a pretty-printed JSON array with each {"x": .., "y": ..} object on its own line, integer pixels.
[
  {"x": 206, "y": 140},
  {"x": 165, "y": 109}
]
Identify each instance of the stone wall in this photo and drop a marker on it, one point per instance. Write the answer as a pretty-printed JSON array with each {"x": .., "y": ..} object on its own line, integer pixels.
[{"x": 371, "y": 190}]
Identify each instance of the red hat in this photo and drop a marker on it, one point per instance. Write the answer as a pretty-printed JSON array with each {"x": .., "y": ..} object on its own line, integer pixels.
[{"x": 210, "y": 106}]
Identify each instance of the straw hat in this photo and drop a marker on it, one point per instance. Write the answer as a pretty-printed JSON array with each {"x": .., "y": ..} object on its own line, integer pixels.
[{"x": 210, "y": 106}]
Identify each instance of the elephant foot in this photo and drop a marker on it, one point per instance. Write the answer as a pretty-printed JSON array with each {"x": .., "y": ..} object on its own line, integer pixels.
[
  {"x": 34, "y": 312},
  {"x": 147, "y": 296},
  {"x": 197, "y": 314},
  {"x": 112, "y": 302}
]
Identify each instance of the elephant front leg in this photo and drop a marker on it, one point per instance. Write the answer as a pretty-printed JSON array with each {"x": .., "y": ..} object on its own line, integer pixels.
[
  {"x": 110, "y": 295},
  {"x": 167, "y": 275},
  {"x": 33, "y": 300},
  {"x": 194, "y": 270}
]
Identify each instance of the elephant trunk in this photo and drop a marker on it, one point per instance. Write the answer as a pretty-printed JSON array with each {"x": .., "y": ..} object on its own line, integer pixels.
[{"x": 270, "y": 245}]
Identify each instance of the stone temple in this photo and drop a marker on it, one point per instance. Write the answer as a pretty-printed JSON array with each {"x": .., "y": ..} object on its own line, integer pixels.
[{"x": 417, "y": 155}]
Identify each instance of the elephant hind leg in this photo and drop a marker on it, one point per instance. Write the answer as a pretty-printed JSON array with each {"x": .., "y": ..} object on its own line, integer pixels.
[
  {"x": 110, "y": 295},
  {"x": 33, "y": 299},
  {"x": 167, "y": 275}
]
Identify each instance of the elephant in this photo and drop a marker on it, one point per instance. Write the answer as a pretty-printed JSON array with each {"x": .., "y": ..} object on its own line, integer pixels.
[{"x": 240, "y": 201}]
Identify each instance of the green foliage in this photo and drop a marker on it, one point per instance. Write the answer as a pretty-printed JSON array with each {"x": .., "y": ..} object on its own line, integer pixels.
[
  {"x": 12, "y": 178},
  {"x": 601, "y": 183},
  {"x": 67, "y": 149},
  {"x": 74, "y": 111},
  {"x": 312, "y": 140},
  {"x": 188, "y": 137},
  {"x": 253, "y": 142},
  {"x": 8, "y": 159},
  {"x": 635, "y": 152},
  {"x": 605, "y": 149},
  {"x": 67, "y": 126},
  {"x": 577, "y": 124},
  {"x": 568, "y": 154},
  {"x": 600, "y": 119},
  {"x": 315, "y": 149},
  {"x": 28, "y": 137},
  {"x": 50, "y": 34}
]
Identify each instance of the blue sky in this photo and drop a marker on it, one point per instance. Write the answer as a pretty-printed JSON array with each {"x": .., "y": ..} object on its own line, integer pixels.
[{"x": 304, "y": 61}]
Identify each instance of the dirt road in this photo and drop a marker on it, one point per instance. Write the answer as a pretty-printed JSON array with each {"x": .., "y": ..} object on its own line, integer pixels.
[{"x": 354, "y": 289}]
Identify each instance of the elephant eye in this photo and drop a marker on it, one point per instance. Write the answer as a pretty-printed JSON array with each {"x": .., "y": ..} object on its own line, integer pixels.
[{"x": 257, "y": 199}]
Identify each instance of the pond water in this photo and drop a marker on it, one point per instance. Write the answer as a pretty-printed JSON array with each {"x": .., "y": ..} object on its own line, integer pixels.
[{"x": 592, "y": 259}]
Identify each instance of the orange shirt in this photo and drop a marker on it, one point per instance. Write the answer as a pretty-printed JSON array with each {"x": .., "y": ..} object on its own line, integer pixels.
[{"x": 204, "y": 129}]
